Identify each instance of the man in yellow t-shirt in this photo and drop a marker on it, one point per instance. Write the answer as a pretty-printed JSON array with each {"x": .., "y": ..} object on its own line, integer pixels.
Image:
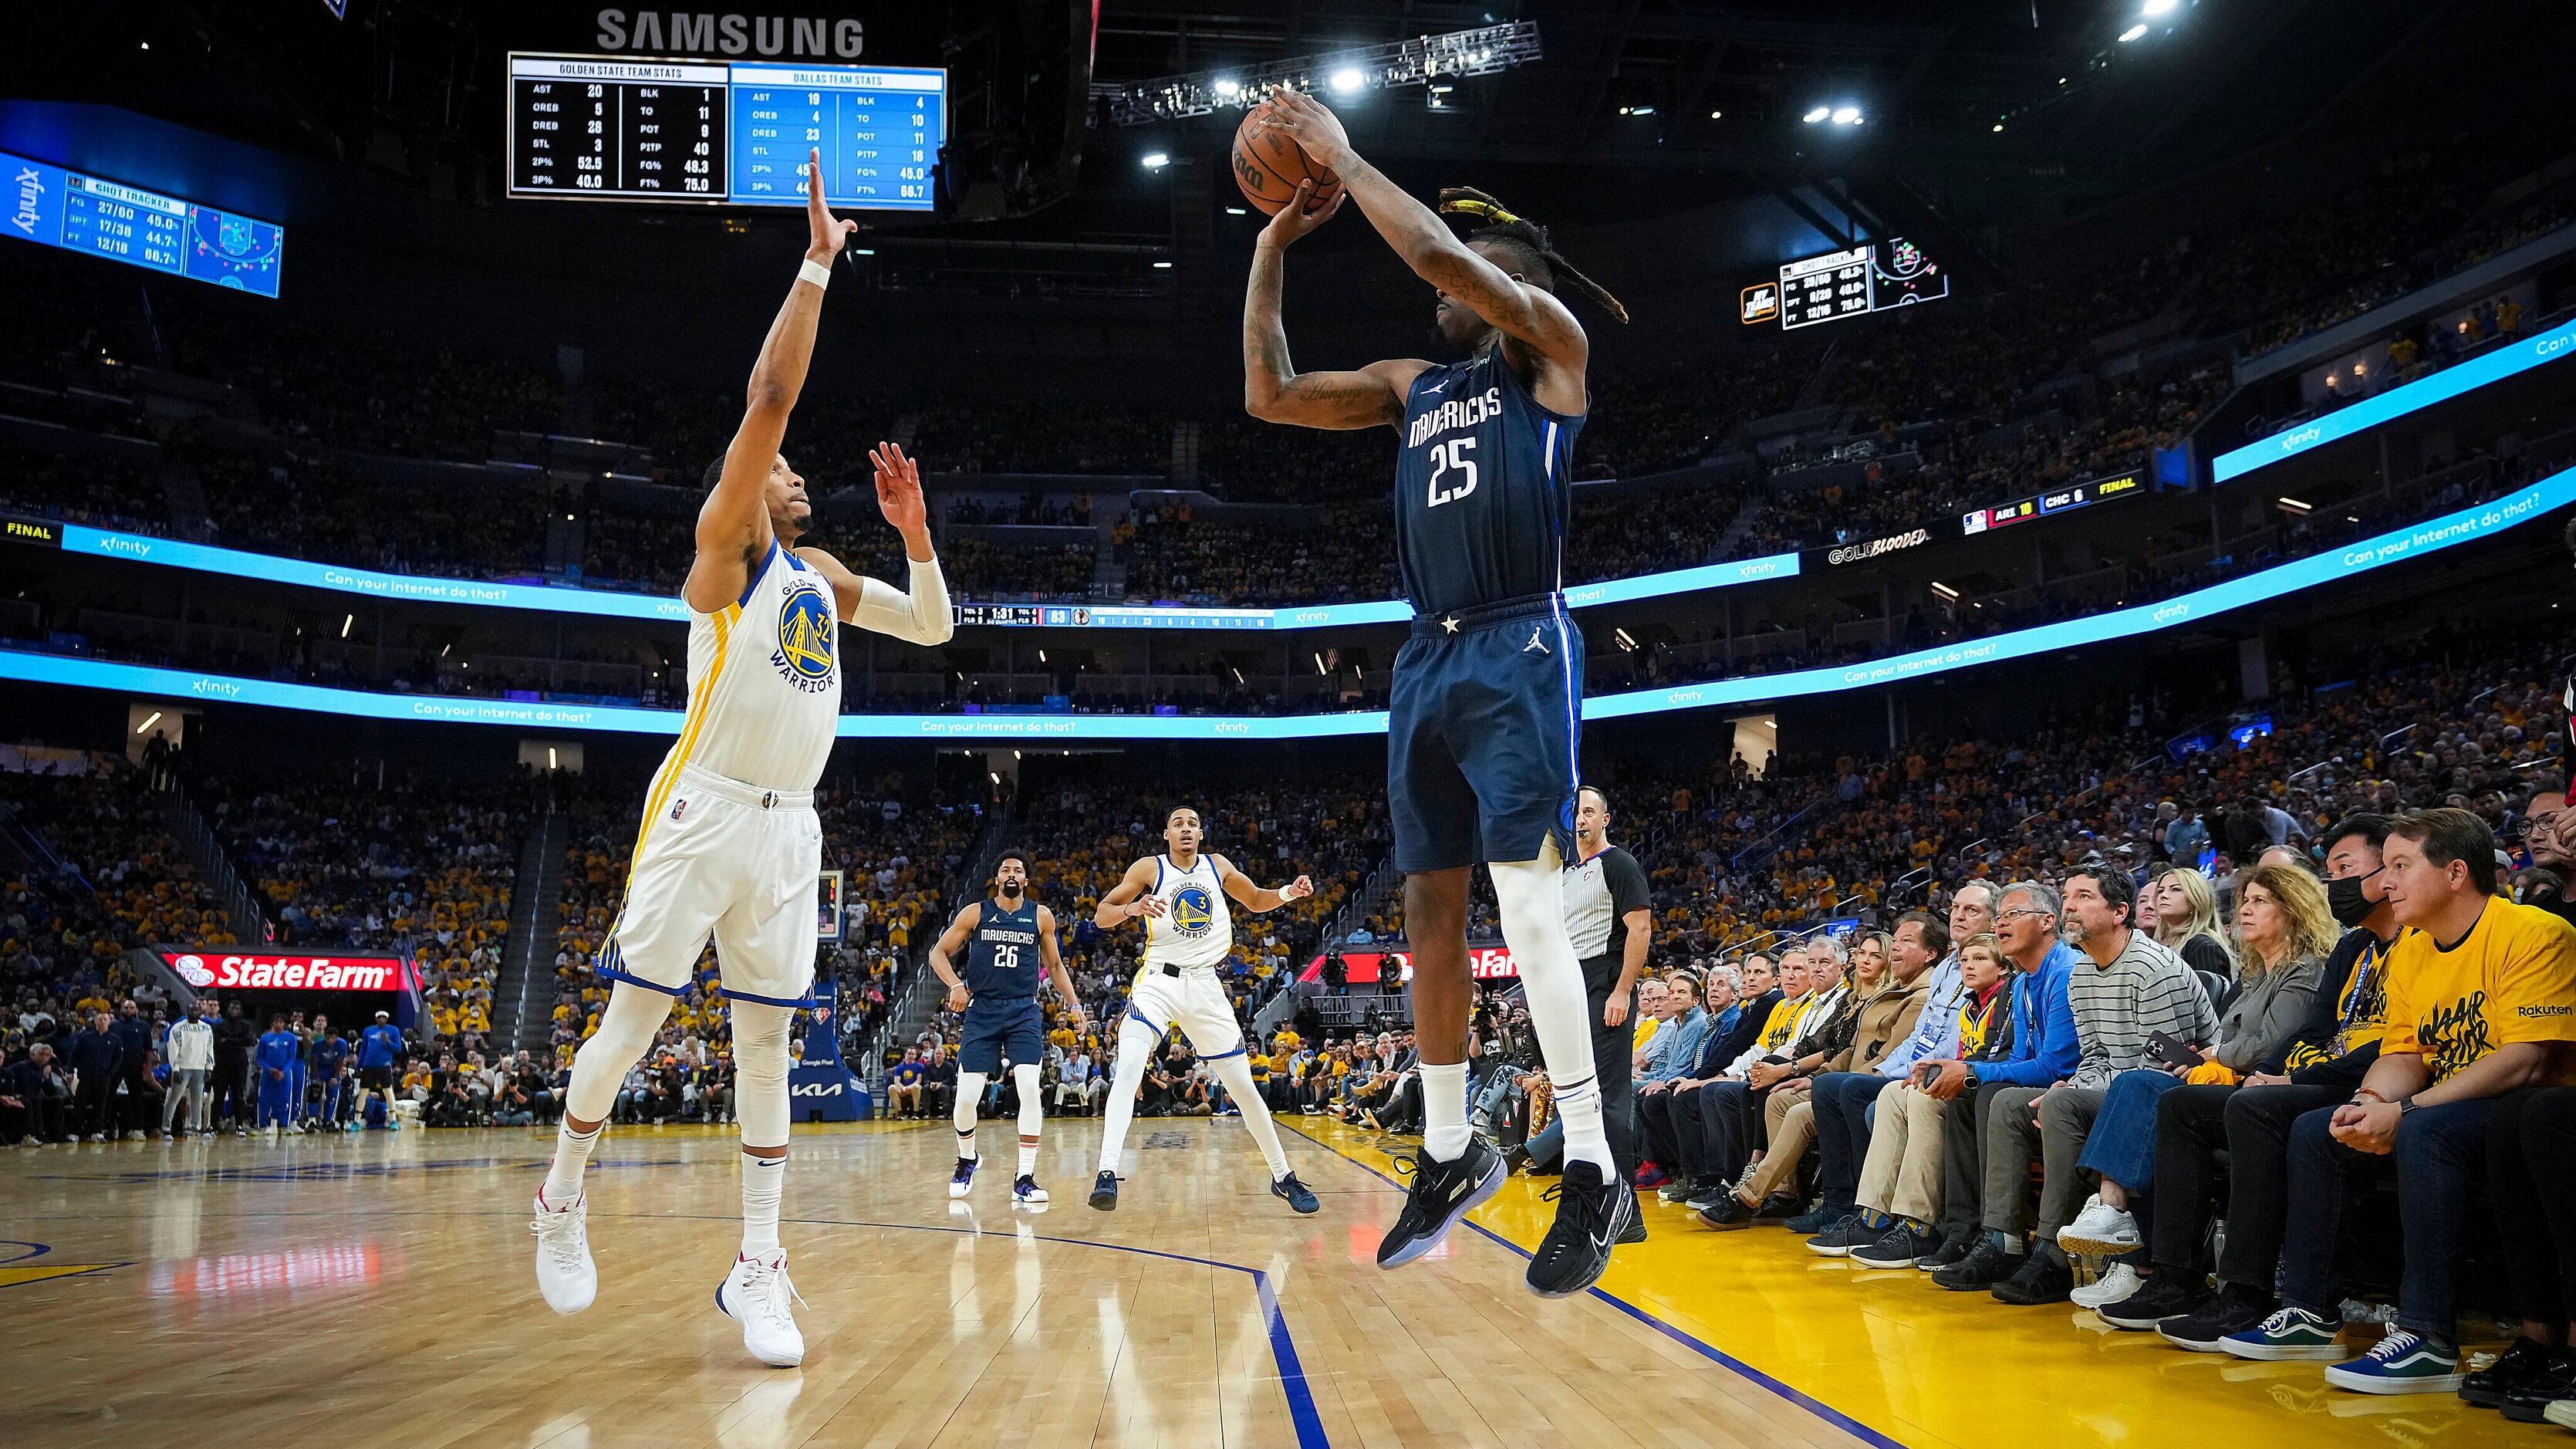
[{"x": 2481, "y": 1002}]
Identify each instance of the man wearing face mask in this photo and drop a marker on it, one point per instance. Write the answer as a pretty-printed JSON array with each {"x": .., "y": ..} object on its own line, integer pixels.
[
  {"x": 2323, "y": 1065},
  {"x": 2549, "y": 833}
]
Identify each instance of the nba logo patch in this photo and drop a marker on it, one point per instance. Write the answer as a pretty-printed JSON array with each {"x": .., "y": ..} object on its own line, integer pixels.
[{"x": 679, "y": 806}]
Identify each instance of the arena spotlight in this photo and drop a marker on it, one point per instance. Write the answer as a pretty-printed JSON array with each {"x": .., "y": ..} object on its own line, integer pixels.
[
  {"x": 2133, "y": 32},
  {"x": 1818, "y": 114},
  {"x": 1347, "y": 80},
  {"x": 1945, "y": 591},
  {"x": 1226, "y": 87},
  {"x": 1847, "y": 115},
  {"x": 1156, "y": 160},
  {"x": 1162, "y": 266},
  {"x": 2157, "y": 7}
]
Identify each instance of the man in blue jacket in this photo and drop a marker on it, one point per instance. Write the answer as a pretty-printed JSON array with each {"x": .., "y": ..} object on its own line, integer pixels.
[
  {"x": 135, "y": 1041},
  {"x": 380, "y": 1055},
  {"x": 273, "y": 1065},
  {"x": 330, "y": 1067},
  {"x": 2045, "y": 1051}
]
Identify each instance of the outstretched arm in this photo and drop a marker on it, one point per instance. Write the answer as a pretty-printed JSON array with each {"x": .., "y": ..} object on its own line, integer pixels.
[
  {"x": 1524, "y": 313},
  {"x": 921, "y": 616},
  {"x": 1252, "y": 897},
  {"x": 1054, "y": 959},
  {"x": 1123, "y": 903},
  {"x": 1273, "y": 389},
  {"x": 733, "y": 524}
]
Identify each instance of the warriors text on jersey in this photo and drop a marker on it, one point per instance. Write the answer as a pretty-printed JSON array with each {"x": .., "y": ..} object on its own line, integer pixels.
[
  {"x": 1002, "y": 957},
  {"x": 1483, "y": 487},
  {"x": 764, "y": 681},
  {"x": 1195, "y": 928}
]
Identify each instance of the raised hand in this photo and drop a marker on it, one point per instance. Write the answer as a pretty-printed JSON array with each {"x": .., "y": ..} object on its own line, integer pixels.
[
  {"x": 1300, "y": 216},
  {"x": 828, "y": 232},
  {"x": 899, "y": 491},
  {"x": 1312, "y": 125}
]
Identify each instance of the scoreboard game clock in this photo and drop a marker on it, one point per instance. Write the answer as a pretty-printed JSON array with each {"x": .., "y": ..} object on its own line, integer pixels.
[{"x": 622, "y": 128}]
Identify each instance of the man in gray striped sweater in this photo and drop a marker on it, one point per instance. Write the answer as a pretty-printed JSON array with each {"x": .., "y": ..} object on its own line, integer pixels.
[{"x": 2124, "y": 990}]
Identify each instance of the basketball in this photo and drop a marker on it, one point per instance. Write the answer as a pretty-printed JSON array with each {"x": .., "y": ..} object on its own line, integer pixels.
[{"x": 1268, "y": 165}]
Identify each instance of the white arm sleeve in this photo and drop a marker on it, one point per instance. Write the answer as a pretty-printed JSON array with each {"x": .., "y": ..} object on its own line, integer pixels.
[{"x": 922, "y": 616}]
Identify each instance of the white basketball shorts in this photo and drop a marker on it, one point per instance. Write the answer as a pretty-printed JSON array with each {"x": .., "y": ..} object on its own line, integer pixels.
[
  {"x": 733, "y": 860},
  {"x": 1196, "y": 1001}
]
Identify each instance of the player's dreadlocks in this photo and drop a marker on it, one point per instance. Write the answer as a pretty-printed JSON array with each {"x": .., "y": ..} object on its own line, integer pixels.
[{"x": 1539, "y": 260}]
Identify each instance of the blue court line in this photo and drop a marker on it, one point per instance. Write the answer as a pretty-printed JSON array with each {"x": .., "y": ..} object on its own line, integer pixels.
[
  {"x": 1283, "y": 1349},
  {"x": 38, "y": 1250},
  {"x": 1808, "y": 1402}
]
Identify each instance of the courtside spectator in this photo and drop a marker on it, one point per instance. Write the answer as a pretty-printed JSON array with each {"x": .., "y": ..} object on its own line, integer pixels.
[{"x": 2481, "y": 1000}]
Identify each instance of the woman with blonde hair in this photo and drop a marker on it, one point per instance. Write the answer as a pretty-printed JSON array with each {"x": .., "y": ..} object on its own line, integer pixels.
[{"x": 2182, "y": 910}]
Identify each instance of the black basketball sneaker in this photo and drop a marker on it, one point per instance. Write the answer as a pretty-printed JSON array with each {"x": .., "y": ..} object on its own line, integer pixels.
[
  {"x": 1591, "y": 1214},
  {"x": 1104, "y": 1191},
  {"x": 1441, "y": 1194}
]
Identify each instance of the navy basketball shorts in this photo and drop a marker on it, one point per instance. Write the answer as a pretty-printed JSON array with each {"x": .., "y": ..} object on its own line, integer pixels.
[
  {"x": 1481, "y": 737},
  {"x": 1011, "y": 1028}
]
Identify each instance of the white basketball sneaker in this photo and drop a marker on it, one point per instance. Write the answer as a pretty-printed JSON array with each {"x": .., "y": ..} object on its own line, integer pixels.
[
  {"x": 757, "y": 1294},
  {"x": 564, "y": 1272}
]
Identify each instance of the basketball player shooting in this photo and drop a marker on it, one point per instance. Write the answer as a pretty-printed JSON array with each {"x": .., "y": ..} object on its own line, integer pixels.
[
  {"x": 998, "y": 997},
  {"x": 729, "y": 843},
  {"x": 1180, "y": 895},
  {"x": 1488, "y": 691}
]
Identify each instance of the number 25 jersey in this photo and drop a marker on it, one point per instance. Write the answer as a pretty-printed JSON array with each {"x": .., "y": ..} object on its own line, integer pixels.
[{"x": 1483, "y": 487}]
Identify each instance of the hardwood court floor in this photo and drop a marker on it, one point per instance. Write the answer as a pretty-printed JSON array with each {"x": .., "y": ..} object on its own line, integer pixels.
[{"x": 376, "y": 1290}]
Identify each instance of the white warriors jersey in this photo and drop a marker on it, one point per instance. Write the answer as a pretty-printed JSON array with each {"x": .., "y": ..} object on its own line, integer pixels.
[
  {"x": 1195, "y": 928},
  {"x": 764, "y": 682}
]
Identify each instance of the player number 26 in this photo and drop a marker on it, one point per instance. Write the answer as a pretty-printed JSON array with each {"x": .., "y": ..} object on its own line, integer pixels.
[
  {"x": 1451, "y": 457},
  {"x": 1007, "y": 958}
]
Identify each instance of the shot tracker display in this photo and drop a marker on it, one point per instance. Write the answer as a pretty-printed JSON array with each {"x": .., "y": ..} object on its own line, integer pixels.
[
  {"x": 56, "y": 207},
  {"x": 1872, "y": 277},
  {"x": 617, "y": 128}
]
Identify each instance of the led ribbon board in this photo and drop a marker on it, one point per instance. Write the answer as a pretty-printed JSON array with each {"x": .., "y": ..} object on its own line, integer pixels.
[
  {"x": 97, "y": 217},
  {"x": 2415, "y": 396},
  {"x": 2468, "y": 525}
]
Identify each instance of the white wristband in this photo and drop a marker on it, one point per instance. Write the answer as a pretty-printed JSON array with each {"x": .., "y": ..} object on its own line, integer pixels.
[{"x": 815, "y": 272}]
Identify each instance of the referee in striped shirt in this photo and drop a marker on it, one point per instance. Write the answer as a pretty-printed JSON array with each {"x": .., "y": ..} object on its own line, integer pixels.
[{"x": 1608, "y": 915}]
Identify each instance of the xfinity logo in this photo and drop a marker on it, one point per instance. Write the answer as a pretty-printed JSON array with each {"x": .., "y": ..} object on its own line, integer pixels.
[
  {"x": 682, "y": 32},
  {"x": 2292, "y": 441},
  {"x": 31, "y": 192}
]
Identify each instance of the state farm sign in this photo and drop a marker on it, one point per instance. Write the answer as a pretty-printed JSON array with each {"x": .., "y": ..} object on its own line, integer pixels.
[
  {"x": 211, "y": 971},
  {"x": 1485, "y": 963}
]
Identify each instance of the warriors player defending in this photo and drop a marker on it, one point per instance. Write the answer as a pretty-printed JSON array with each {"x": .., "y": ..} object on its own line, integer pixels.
[
  {"x": 1006, "y": 938},
  {"x": 729, "y": 843},
  {"x": 1181, "y": 896}
]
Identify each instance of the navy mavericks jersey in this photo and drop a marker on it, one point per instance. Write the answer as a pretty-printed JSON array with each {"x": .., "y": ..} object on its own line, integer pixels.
[
  {"x": 1002, "y": 959},
  {"x": 1483, "y": 487}
]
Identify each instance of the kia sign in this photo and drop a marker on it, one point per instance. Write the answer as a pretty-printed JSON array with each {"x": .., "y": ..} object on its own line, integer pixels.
[
  {"x": 214, "y": 971},
  {"x": 1485, "y": 963}
]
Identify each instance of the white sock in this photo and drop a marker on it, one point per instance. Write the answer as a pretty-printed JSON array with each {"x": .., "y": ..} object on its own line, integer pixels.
[
  {"x": 1024, "y": 1077},
  {"x": 1136, "y": 1042},
  {"x": 966, "y": 1145},
  {"x": 763, "y": 1182},
  {"x": 572, "y": 1154},
  {"x": 1529, "y": 893},
  {"x": 1236, "y": 1073},
  {"x": 1444, "y": 1111}
]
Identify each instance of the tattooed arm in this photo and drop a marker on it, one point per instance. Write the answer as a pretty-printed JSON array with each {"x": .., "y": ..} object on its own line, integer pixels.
[{"x": 1273, "y": 389}]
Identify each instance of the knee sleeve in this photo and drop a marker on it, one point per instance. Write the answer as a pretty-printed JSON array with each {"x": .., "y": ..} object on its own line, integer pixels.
[
  {"x": 760, "y": 1072},
  {"x": 1024, "y": 1075},
  {"x": 970, "y": 1090},
  {"x": 625, "y": 1029}
]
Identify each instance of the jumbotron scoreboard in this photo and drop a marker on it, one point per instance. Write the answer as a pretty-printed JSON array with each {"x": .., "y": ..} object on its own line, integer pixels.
[
  {"x": 624, "y": 128},
  {"x": 1872, "y": 277}
]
